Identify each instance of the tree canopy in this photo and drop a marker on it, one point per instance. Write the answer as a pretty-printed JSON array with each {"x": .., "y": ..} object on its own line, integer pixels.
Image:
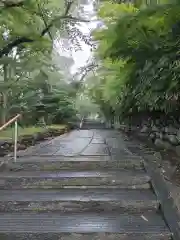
[
  {"x": 138, "y": 54},
  {"x": 31, "y": 80}
]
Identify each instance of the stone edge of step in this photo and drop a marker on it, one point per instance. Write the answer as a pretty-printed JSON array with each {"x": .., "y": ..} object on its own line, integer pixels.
[
  {"x": 11, "y": 167},
  {"x": 76, "y": 207},
  {"x": 91, "y": 236},
  {"x": 162, "y": 191},
  {"x": 167, "y": 205},
  {"x": 147, "y": 223}
]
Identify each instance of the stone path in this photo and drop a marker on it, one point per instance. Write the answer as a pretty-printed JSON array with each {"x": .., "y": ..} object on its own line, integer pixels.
[{"x": 85, "y": 185}]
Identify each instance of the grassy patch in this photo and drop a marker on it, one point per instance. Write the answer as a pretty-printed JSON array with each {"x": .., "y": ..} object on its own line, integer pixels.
[
  {"x": 9, "y": 132},
  {"x": 57, "y": 126}
]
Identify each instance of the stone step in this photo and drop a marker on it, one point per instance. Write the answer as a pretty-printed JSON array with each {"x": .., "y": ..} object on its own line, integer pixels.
[
  {"x": 85, "y": 236},
  {"x": 53, "y": 225},
  {"x": 54, "y": 164},
  {"x": 78, "y": 200},
  {"x": 57, "y": 158},
  {"x": 61, "y": 179}
]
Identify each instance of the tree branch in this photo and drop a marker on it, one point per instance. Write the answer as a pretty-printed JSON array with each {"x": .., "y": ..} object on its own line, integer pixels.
[
  {"x": 44, "y": 20},
  {"x": 69, "y": 17},
  {"x": 10, "y": 4},
  {"x": 6, "y": 50},
  {"x": 86, "y": 69},
  {"x": 68, "y": 7}
]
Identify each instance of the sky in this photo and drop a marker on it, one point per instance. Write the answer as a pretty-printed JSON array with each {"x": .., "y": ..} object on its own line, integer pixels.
[{"x": 82, "y": 56}]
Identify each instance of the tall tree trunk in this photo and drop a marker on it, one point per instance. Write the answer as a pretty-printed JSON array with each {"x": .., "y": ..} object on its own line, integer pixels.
[{"x": 4, "y": 98}]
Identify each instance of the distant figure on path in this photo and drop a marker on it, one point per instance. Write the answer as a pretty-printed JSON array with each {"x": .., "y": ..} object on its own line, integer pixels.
[{"x": 81, "y": 123}]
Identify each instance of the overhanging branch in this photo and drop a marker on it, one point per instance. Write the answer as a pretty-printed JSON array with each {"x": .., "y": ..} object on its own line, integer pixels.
[
  {"x": 10, "y": 4},
  {"x": 85, "y": 70},
  {"x": 6, "y": 50},
  {"x": 44, "y": 20},
  {"x": 10, "y": 46},
  {"x": 68, "y": 17}
]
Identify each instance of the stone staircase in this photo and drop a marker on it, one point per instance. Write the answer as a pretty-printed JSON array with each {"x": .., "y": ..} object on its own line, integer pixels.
[
  {"x": 80, "y": 198},
  {"x": 92, "y": 124}
]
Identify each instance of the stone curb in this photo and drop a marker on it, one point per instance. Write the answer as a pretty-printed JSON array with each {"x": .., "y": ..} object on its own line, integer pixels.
[{"x": 162, "y": 191}]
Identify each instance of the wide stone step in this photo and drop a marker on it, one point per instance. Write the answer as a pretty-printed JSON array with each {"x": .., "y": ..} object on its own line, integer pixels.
[
  {"x": 78, "y": 200},
  {"x": 61, "y": 179},
  {"x": 55, "y": 163},
  {"x": 93, "y": 126},
  {"x": 56, "y": 158},
  {"x": 35, "y": 224},
  {"x": 85, "y": 236}
]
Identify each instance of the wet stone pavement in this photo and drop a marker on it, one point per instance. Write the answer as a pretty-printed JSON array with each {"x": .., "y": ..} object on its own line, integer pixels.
[{"x": 84, "y": 185}]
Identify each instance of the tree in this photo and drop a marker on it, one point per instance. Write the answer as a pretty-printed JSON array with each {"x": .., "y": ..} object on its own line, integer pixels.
[
  {"x": 29, "y": 73},
  {"x": 44, "y": 20},
  {"x": 139, "y": 52}
]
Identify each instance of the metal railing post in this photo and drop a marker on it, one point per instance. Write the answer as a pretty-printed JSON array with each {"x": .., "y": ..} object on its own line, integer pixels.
[
  {"x": 11, "y": 121},
  {"x": 15, "y": 140}
]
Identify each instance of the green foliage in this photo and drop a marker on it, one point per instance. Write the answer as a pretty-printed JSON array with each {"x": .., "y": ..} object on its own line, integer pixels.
[
  {"x": 33, "y": 23},
  {"x": 139, "y": 51},
  {"x": 31, "y": 82}
]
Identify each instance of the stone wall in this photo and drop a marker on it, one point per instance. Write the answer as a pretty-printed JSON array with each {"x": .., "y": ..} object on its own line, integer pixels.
[{"x": 164, "y": 137}]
